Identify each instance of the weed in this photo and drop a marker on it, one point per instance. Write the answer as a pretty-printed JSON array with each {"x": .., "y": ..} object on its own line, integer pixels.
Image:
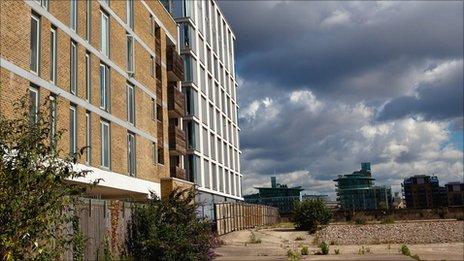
[
  {"x": 364, "y": 250},
  {"x": 337, "y": 251},
  {"x": 293, "y": 255},
  {"x": 299, "y": 238},
  {"x": 405, "y": 250},
  {"x": 388, "y": 220},
  {"x": 254, "y": 239},
  {"x": 360, "y": 218},
  {"x": 324, "y": 248},
  {"x": 305, "y": 251}
]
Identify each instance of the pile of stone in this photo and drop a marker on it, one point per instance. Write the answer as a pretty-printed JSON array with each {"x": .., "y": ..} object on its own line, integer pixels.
[{"x": 397, "y": 233}]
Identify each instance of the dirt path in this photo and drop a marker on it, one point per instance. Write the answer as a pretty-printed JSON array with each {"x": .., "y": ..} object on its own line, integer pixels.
[{"x": 275, "y": 242}]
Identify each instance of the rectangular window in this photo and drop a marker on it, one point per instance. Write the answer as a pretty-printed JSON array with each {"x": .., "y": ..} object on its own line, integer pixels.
[
  {"x": 33, "y": 103},
  {"x": 104, "y": 93},
  {"x": 105, "y": 34},
  {"x": 88, "y": 19},
  {"x": 88, "y": 152},
  {"x": 214, "y": 175},
  {"x": 73, "y": 15},
  {"x": 72, "y": 130},
  {"x": 130, "y": 13},
  {"x": 154, "y": 153},
  {"x": 105, "y": 144},
  {"x": 73, "y": 68},
  {"x": 35, "y": 44},
  {"x": 153, "y": 109},
  {"x": 160, "y": 155},
  {"x": 88, "y": 81},
  {"x": 152, "y": 25},
  {"x": 130, "y": 104},
  {"x": 131, "y": 154},
  {"x": 205, "y": 142},
  {"x": 152, "y": 66},
  {"x": 206, "y": 173},
  {"x": 130, "y": 53},
  {"x": 53, "y": 42},
  {"x": 53, "y": 121}
]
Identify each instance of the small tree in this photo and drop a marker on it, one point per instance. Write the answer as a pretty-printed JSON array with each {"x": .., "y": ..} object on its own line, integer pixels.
[
  {"x": 168, "y": 229},
  {"x": 309, "y": 214},
  {"x": 35, "y": 199}
]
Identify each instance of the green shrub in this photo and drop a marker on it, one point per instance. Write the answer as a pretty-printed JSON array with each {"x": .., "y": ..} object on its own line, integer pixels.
[
  {"x": 405, "y": 250},
  {"x": 36, "y": 201},
  {"x": 324, "y": 248},
  {"x": 309, "y": 214},
  {"x": 168, "y": 229},
  {"x": 305, "y": 251}
]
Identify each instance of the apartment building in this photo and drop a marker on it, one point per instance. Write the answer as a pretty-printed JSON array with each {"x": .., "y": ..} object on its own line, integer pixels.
[
  {"x": 112, "y": 70},
  {"x": 207, "y": 45}
]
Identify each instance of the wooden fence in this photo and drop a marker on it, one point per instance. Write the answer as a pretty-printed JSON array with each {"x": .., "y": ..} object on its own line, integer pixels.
[
  {"x": 229, "y": 216},
  {"x": 104, "y": 226}
]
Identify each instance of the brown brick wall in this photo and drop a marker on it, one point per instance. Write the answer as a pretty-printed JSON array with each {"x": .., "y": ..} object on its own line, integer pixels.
[{"x": 14, "y": 46}]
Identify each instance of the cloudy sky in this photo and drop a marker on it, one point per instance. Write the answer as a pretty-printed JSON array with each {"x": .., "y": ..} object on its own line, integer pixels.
[{"x": 324, "y": 86}]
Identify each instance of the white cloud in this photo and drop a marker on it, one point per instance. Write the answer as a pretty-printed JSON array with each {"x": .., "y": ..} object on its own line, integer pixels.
[{"x": 337, "y": 17}]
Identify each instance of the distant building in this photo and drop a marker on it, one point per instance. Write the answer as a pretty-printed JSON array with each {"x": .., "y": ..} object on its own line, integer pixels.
[
  {"x": 398, "y": 201},
  {"x": 325, "y": 198},
  {"x": 422, "y": 191},
  {"x": 356, "y": 191},
  {"x": 278, "y": 195},
  {"x": 455, "y": 194}
]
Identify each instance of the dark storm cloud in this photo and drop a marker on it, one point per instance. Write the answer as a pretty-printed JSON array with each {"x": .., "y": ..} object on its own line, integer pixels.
[
  {"x": 322, "y": 46},
  {"x": 438, "y": 100},
  {"x": 324, "y": 86}
]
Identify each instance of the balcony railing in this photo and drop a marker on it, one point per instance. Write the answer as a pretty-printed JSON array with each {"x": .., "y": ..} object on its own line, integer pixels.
[
  {"x": 178, "y": 172},
  {"x": 176, "y": 141},
  {"x": 176, "y": 103},
  {"x": 175, "y": 65}
]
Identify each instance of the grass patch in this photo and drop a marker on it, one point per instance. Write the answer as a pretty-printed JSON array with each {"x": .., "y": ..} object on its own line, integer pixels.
[
  {"x": 387, "y": 220},
  {"x": 293, "y": 255},
  {"x": 364, "y": 250},
  {"x": 324, "y": 248},
  {"x": 304, "y": 251},
  {"x": 285, "y": 225},
  {"x": 254, "y": 239}
]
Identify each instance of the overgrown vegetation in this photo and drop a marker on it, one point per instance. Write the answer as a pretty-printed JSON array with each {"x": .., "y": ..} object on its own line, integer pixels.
[
  {"x": 304, "y": 251},
  {"x": 359, "y": 218},
  {"x": 324, "y": 248},
  {"x": 388, "y": 220},
  {"x": 310, "y": 214},
  {"x": 36, "y": 202},
  {"x": 293, "y": 255},
  {"x": 168, "y": 229}
]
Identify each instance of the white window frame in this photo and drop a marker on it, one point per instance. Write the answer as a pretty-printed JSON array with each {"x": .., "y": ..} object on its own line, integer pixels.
[
  {"x": 130, "y": 53},
  {"x": 88, "y": 138},
  {"x": 131, "y": 154},
  {"x": 105, "y": 34},
  {"x": 104, "y": 124},
  {"x": 53, "y": 115},
  {"x": 88, "y": 79},
  {"x": 53, "y": 53},
  {"x": 88, "y": 19},
  {"x": 130, "y": 94},
  {"x": 104, "y": 87},
  {"x": 35, "y": 103},
  {"x": 36, "y": 46},
  {"x": 130, "y": 13},
  {"x": 72, "y": 130},
  {"x": 73, "y": 68},
  {"x": 73, "y": 15},
  {"x": 154, "y": 153}
]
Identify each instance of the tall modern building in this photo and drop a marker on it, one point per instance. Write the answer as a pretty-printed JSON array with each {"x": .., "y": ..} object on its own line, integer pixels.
[
  {"x": 356, "y": 191},
  {"x": 207, "y": 45},
  {"x": 112, "y": 71}
]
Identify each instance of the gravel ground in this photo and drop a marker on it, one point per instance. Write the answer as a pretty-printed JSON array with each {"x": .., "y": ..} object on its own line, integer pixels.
[{"x": 400, "y": 232}]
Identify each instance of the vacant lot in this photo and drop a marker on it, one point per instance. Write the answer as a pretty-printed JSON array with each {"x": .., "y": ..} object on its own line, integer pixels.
[{"x": 274, "y": 244}]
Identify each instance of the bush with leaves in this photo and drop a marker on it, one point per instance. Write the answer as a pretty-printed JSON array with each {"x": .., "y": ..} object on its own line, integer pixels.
[
  {"x": 309, "y": 214},
  {"x": 35, "y": 199},
  {"x": 169, "y": 229}
]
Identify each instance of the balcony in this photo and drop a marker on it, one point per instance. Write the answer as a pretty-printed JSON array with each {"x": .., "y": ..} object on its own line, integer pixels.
[
  {"x": 177, "y": 172},
  {"x": 176, "y": 103},
  {"x": 176, "y": 141},
  {"x": 175, "y": 65}
]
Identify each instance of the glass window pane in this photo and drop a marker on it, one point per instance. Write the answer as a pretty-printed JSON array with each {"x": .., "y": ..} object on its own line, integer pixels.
[{"x": 34, "y": 44}]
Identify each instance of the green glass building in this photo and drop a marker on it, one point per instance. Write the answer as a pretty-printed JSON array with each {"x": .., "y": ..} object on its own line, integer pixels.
[{"x": 357, "y": 191}]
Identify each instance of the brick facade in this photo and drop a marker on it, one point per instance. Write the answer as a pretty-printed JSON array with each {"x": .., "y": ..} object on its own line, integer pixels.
[{"x": 15, "y": 28}]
